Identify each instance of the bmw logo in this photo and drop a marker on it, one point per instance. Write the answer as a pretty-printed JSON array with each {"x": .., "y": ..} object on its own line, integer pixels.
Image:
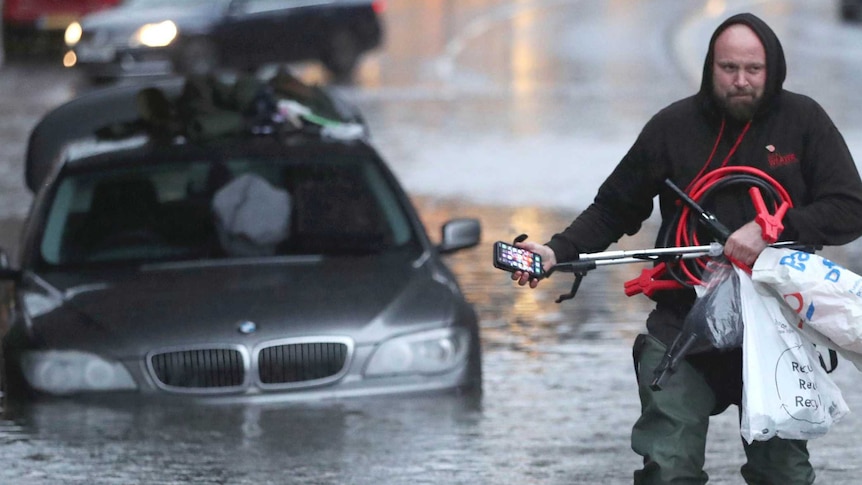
[{"x": 247, "y": 327}]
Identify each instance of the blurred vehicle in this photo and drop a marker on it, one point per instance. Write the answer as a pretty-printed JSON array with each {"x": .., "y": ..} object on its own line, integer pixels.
[
  {"x": 851, "y": 10},
  {"x": 204, "y": 239},
  {"x": 157, "y": 37},
  {"x": 30, "y": 21}
]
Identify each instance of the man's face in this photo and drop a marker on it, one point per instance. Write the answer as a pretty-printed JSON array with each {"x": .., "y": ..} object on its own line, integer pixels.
[{"x": 739, "y": 71}]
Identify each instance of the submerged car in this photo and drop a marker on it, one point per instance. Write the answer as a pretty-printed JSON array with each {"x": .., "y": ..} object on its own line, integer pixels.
[
  {"x": 158, "y": 37},
  {"x": 277, "y": 259}
]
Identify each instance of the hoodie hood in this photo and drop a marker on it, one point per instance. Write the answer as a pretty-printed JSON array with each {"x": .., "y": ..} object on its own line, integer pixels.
[{"x": 776, "y": 67}]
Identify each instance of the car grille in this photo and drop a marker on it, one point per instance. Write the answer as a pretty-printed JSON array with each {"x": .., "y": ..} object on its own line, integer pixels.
[
  {"x": 199, "y": 368},
  {"x": 278, "y": 365},
  {"x": 301, "y": 362}
]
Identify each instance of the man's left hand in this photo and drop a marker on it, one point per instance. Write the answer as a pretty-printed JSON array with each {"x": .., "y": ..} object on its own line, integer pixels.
[{"x": 745, "y": 244}]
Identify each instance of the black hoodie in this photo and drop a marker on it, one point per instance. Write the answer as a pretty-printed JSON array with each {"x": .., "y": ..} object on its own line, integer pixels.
[{"x": 791, "y": 138}]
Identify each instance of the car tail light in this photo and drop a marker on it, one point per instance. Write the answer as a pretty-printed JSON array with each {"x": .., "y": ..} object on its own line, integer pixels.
[{"x": 379, "y": 6}]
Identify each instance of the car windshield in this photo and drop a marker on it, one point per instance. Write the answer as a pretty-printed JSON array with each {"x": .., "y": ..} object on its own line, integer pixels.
[{"x": 239, "y": 207}]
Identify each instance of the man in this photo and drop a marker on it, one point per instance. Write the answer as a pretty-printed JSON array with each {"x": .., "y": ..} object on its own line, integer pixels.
[{"x": 740, "y": 116}]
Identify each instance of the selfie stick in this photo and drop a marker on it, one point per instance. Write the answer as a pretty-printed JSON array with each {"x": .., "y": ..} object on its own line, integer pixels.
[{"x": 592, "y": 260}]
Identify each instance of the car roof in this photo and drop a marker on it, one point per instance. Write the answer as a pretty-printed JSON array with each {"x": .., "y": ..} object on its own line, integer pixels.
[
  {"x": 133, "y": 151},
  {"x": 78, "y": 127},
  {"x": 77, "y": 119}
]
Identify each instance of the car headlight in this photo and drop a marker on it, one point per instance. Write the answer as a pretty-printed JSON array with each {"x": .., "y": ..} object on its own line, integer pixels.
[
  {"x": 155, "y": 35},
  {"x": 67, "y": 372},
  {"x": 428, "y": 352},
  {"x": 73, "y": 34}
]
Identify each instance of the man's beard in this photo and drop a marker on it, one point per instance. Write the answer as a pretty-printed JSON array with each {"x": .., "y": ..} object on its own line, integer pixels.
[{"x": 739, "y": 108}]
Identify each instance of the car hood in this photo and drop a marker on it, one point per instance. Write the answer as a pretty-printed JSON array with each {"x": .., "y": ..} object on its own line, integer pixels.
[
  {"x": 365, "y": 299},
  {"x": 193, "y": 16}
]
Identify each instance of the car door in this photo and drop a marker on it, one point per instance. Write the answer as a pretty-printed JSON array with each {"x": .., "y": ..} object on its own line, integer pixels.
[{"x": 265, "y": 31}]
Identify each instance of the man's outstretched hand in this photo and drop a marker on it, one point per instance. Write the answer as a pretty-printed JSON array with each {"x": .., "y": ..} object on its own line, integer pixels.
[{"x": 549, "y": 260}]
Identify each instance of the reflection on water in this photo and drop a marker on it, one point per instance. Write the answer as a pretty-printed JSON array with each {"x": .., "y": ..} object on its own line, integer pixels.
[
  {"x": 527, "y": 428},
  {"x": 150, "y": 442}
]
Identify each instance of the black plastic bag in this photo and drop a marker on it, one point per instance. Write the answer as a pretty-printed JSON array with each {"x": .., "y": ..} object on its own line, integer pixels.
[
  {"x": 717, "y": 314},
  {"x": 714, "y": 321}
]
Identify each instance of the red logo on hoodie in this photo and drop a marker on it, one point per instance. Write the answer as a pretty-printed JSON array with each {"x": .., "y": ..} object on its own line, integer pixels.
[{"x": 780, "y": 159}]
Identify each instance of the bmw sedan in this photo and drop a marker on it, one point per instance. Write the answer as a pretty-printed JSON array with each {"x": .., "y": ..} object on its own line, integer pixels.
[
  {"x": 279, "y": 264},
  {"x": 158, "y": 37}
]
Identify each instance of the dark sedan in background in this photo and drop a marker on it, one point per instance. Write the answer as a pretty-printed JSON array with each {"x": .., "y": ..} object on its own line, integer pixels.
[
  {"x": 156, "y": 37},
  {"x": 850, "y": 10},
  {"x": 31, "y": 24}
]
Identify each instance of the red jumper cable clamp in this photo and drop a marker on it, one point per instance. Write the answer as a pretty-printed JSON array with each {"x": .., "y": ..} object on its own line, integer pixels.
[
  {"x": 770, "y": 224},
  {"x": 647, "y": 283}
]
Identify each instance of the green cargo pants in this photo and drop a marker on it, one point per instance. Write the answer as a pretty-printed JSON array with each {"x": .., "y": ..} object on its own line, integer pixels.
[{"x": 671, "y": 431}]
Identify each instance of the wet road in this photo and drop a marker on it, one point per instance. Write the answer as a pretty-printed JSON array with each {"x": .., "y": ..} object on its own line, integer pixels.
[{"x": 513, "y": 112}]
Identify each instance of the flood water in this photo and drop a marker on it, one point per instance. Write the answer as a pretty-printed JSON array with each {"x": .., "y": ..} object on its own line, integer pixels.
[
  {"x": 484, "y": 87},
  {"x": 558, "y": 402}
]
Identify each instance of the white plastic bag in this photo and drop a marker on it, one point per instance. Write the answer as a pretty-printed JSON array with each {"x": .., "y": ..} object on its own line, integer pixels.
[
  {"x": 786, "y": 392},
  {"x": 826, "y": 296},
  {"x": 252, "y": 216}
]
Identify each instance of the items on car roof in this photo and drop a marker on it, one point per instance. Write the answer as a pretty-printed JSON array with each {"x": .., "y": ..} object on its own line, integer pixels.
[
  {"x": 196, "y": 107},
  {"x": 210, "y": 108}
]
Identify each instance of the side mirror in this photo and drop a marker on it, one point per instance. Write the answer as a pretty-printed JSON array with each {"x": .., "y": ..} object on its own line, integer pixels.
[{"x": 459, "y": 234}]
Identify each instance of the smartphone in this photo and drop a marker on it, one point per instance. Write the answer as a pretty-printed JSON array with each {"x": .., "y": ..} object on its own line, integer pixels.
[{"x": 511, "y": 258}]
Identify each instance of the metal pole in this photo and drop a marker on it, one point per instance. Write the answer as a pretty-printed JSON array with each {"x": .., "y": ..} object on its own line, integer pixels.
[
  {"x": 589, "y": 261},
  {"x": 713, "y": 249}
]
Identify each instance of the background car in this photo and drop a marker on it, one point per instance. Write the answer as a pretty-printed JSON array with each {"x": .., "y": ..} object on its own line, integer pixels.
[
  {"x": 32, "y": 24},
  {"x": 262, "y": 257},
  {"x": 156, "y": 37},
  {"x": 850, "y": 10}
]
